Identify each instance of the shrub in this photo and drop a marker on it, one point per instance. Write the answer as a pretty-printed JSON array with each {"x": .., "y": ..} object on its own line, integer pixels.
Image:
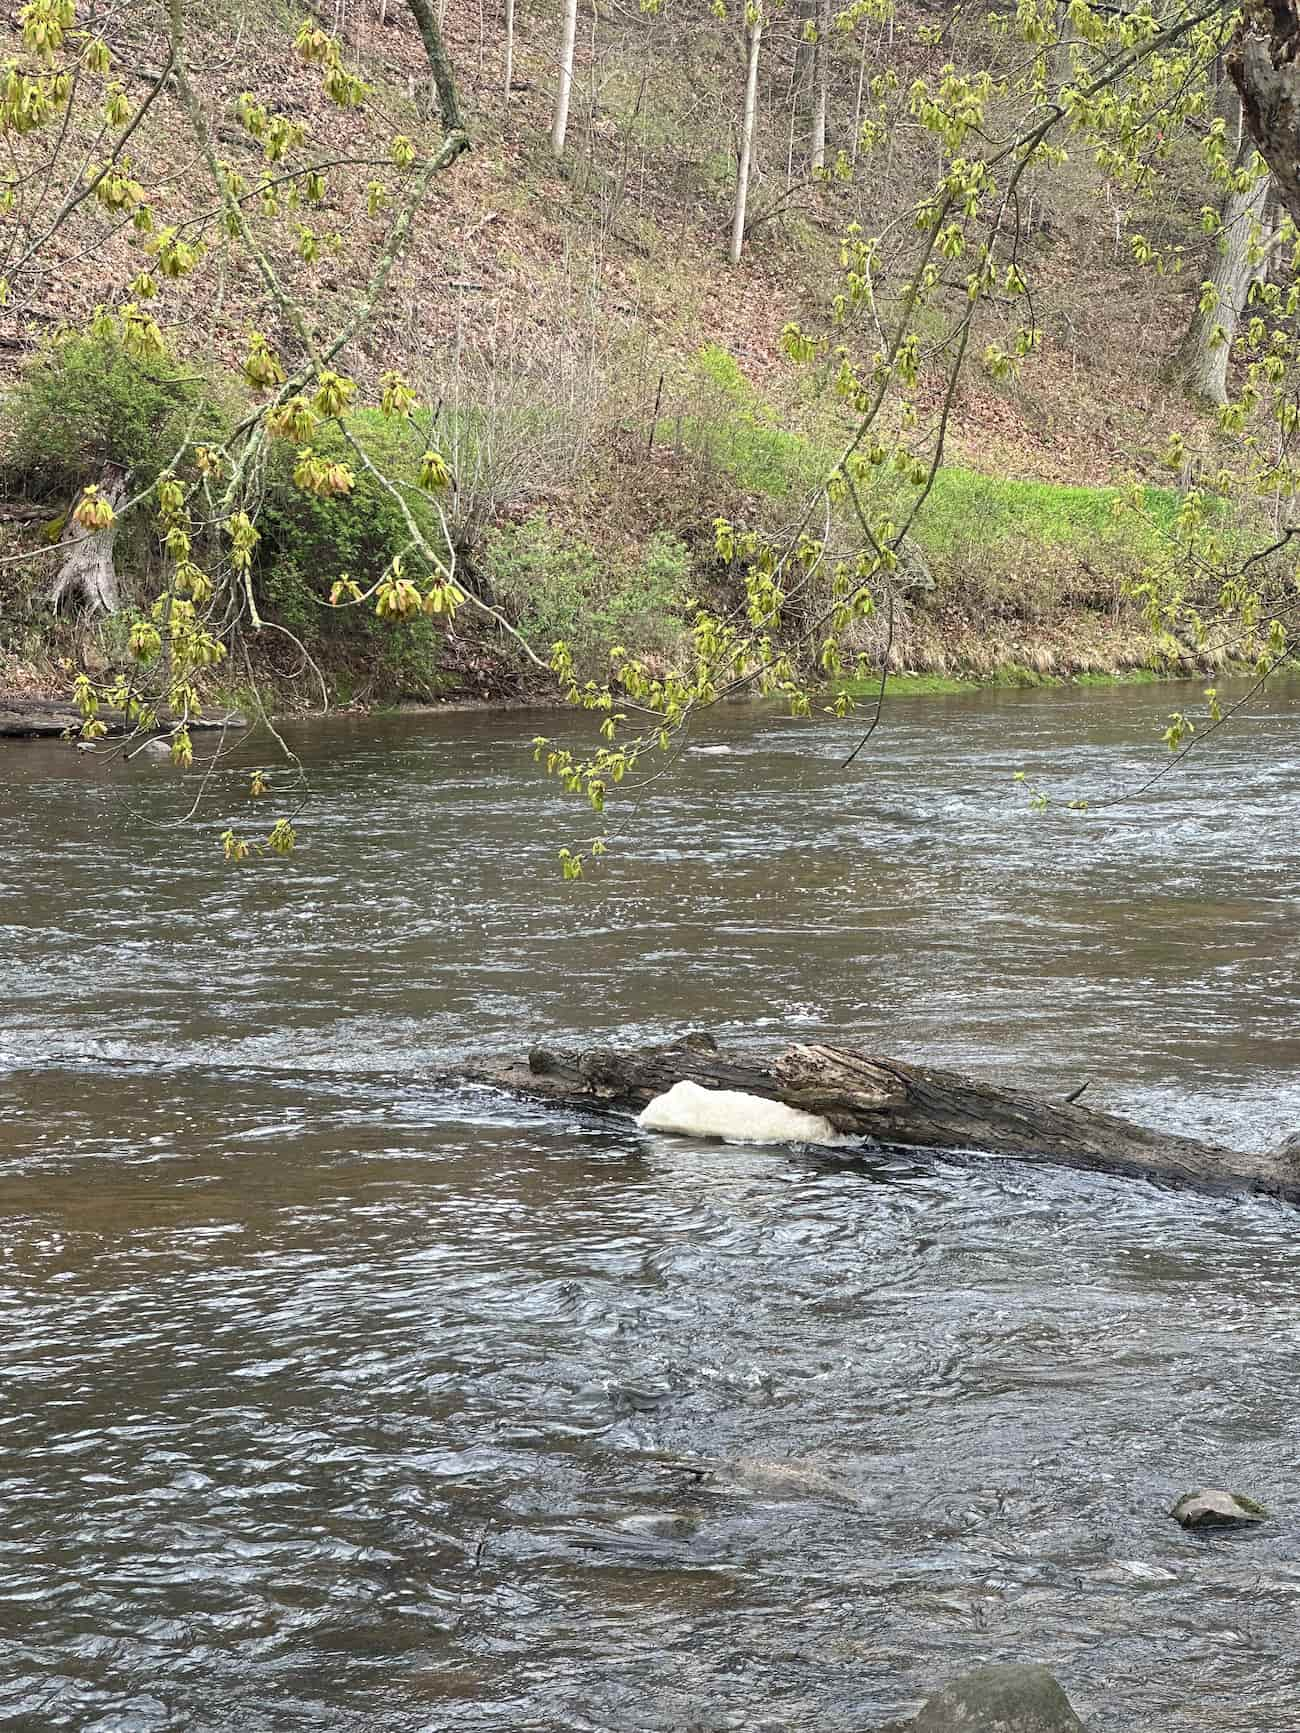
[
  {"x": 85, "y": 402},
  {"x": 554, "y": 585},
  {"x": 306, "y": 543}
]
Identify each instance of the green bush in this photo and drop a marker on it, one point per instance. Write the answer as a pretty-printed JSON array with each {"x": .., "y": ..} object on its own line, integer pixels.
[
  {"x": 85, "y": 402},
  {"x": 306, "y": 543},
  {"x": 556, "y": 586}
]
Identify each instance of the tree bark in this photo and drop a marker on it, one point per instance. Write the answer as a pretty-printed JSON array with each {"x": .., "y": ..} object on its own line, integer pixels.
[
  {"x": 510, "y": 49},
  {"x": 821, "y": 80},
  {"x": 439, "y": 65},
  {"x": 87, "y": 568},
  {"x": 754, "y": 33},
  {"x": 1262, "y": 65},
  {"x": 900, "y": 1105},
  {"x": 560, "y": 119},
  {"x": 1200, "y": 363}
]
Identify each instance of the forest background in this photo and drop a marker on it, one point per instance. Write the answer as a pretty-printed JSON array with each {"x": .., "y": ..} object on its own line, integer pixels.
[{"x": 596, "y": 309}]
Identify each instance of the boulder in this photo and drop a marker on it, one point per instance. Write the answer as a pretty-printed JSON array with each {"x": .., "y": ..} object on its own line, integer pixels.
[
  {"x": 1212, "y": 1507},
  {"x": 1001, "y": 1699}
]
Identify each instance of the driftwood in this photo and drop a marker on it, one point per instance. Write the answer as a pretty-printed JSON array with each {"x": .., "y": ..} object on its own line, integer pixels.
[
  {"x": 887, "y": 1102},
  {"x": 23, "y": 718}
]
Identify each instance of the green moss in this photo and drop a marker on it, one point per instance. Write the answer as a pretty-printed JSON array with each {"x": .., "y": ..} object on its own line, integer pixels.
[{"x": 1125, "y": 677}]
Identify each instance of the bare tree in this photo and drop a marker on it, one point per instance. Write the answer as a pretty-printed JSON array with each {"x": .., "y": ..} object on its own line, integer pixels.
[
  {"x": 560, "y": 119},
  {"x": 821, "y": 79},
  {"x": 753, "y": 38}
]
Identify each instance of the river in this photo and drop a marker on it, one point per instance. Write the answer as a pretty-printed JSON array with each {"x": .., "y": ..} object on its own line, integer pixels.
[{"x": 334, "y": 1400}]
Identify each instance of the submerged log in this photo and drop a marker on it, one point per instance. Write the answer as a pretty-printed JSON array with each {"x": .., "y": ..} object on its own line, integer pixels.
[
  {"x": 23, "y": 718},
  {"x": 886, "y": 1102}
]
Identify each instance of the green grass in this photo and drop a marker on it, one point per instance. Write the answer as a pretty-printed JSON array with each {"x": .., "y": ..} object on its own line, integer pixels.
[
  {"x": 996, "y": 509},
  {"x": 735, "y": 428},
  {"x": 749, "y": 440},
  {"x": 1011, "y": 676}
]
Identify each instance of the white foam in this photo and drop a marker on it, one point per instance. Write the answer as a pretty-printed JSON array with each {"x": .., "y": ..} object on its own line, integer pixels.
[{"x": 733, "y": 1115}]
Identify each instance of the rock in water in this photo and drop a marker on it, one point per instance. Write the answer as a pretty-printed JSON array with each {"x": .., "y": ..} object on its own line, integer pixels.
[
  {"x": 1211, "y": 1507},
  {"x": 1004, "y": 1699},
  {"x": 785, "y": 1479},
  {"x": 733, "y": 1115}
]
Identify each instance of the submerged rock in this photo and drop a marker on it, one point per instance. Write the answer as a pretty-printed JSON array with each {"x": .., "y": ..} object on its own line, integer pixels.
[
  {"x": 1001, "y": 1699},
  {"x": 1212, "y": 1507},
  {"x": 771, "y": 1478},
  {"x": 157, "y": 748}
]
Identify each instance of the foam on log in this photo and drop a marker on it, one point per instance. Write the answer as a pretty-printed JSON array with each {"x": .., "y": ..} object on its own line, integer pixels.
[{"x": 891, "y": 1103}]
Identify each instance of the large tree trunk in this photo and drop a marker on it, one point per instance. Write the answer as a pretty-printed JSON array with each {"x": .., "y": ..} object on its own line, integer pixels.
[
  {"x": 560, "y": 119},
  {"x": 1262, "y": 65},
  {"x": 754, "y": 37},
  {"x": 87, "y": 569},
  {"x": 1200, "y": 363},
  {"x": 444, "y": 80},
  {"x": 891, "y": 1103}
]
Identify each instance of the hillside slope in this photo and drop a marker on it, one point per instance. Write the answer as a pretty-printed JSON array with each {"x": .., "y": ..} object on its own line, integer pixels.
[{"x": 607, "y": 383}]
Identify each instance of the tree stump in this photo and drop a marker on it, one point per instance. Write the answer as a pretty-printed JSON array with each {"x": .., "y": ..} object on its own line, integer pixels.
[{"x": 87, "y": 568}]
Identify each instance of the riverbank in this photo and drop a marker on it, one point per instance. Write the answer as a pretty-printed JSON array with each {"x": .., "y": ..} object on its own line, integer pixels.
[{"x": 1014, "y": 594}]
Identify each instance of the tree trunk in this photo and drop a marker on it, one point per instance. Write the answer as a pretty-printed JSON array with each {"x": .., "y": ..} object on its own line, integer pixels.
[
  {"x": 1262, "y": 65},
  {"x": 87, "y": 569},
  {"x": 755, "y": 36},
  {"x": 821, "y": 77},
  {"x": 910, "y": 1106},
  {"x": 510, "y": 49},
  {"x": 1200, "y": 363},
  {"x": 857, "y": 106},
  {"x": 444, "y": 80},
  {"x": 801, "y": 72},
  {"x": 560, "y": 119},
  {"x": 1059, "y": 57}
]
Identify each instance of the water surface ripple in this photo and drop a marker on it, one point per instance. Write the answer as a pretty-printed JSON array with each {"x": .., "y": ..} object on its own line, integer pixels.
[{"x": 333, "y": 1399}]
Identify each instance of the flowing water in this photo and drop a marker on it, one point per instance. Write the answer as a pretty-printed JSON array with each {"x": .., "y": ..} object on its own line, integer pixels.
[{"x": 334, "y": 1399}]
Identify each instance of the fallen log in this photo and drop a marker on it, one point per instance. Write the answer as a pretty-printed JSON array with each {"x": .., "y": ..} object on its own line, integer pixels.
[
  {"x": 890, "y": 1103},
  {"x": 23, "y": 718}
]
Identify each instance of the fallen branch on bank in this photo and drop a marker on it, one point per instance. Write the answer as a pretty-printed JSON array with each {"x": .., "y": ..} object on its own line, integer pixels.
[
  {"x": 887, "y": 1102},
  {"x": 23, "y": 718}
]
